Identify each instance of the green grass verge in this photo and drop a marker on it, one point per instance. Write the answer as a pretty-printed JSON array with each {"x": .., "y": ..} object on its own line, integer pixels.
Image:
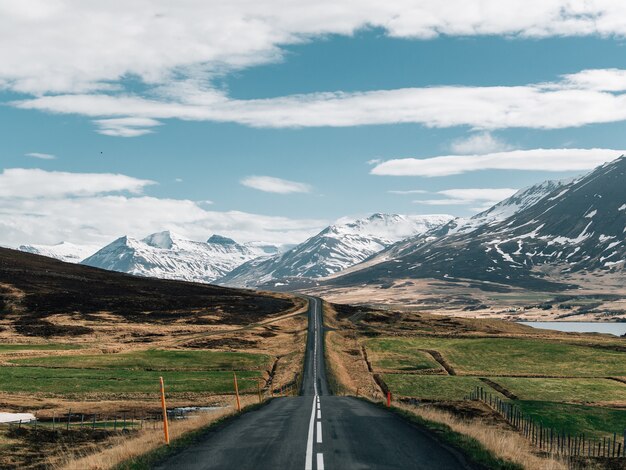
[
  {"x": 593, "y": 421},
  {"x": 152, "y": 458},
  {"x": 577, "y": 390},
  {"x": 507, "y": 356},
  {"x": 474, "y": 450},
  {"x": 37, "y": 347},
  {"x": 77, "y": 381},
  {"x": 155, "y": 359},
  {"x": 415, "y": 361},
  {"x": 432, "y": 387}
]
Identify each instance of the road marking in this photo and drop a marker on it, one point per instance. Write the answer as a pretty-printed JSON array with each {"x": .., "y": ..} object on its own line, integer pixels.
[
  {"x": 319, "y": 414},
  {"x": 309, "y": 443},
  {"x": 320, "y": 461},
  {"x": 315, "y": 347},
  {"x": 319, "y": 432}
]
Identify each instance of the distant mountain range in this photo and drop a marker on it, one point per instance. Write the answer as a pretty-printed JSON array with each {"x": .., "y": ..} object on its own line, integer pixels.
[
  {"x": 545, "y": 232},
  {"x": 170, "y": 256},
  {"x": 334, "y": 249},
  {"x": 541, "y": 234}
]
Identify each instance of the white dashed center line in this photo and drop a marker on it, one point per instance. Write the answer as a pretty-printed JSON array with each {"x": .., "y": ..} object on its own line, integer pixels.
[
  {"x": 316, "y": 406},
  {"x": 309, "y": 443},
  {"x": 320, "y": 461}
]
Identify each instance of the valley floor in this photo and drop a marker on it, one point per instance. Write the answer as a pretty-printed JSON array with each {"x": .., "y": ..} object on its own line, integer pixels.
[
  {"x": 565, "y": 382},
  {"x": 595, "y": 299}
]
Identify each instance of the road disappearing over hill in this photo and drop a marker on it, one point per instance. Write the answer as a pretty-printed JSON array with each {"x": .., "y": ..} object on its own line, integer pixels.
[{"x": 317, "y": 431}]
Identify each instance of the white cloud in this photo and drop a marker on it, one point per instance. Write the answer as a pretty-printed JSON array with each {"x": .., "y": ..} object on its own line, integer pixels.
[
  {"x": 543, "y": 106},
  {"x": 35, "y": 183},
  {"x": 441, "y": 202},
  {"x": 466, "y": 196},
  {"x": 599, "y": 79},
  {"x": 269, "y": 184},
  {"x": 126, "y": 127},
  {"x": 480, "y": 143},
  {"x": 156, "y": 40},
  {"x": 410, "y": 191},
  {"x": 41, "y": 156},
  {"x": 93, "y": 212},
  {"x": 479, "y": 194},
  {"x": 175, "y": 50},
  {"x": 536, "y": 159}
]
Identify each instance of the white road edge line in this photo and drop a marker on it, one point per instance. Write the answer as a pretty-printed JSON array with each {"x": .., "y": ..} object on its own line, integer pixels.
[
  {"x": 316, "y": 401},
  {"x": 309, "y": 443},
  {"x": 319, "y": 414},
  {"x": 320, "y": 461},
  {"x": 315, "y": 346}
]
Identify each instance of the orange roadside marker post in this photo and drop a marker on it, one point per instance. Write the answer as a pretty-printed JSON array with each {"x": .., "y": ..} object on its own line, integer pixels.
[
  {"x": 166, "y": 430},
  {"x": 237, "y": 392},
  {"x": 388, "y": 399}
]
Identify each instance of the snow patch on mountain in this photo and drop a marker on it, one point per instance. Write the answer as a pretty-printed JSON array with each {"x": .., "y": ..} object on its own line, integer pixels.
[
  {"x": 64, "y": 251},
  {"x": 554, "y": 227},
  {"x": 170, "y": 256},
  {"x": 334, "y": 249}
]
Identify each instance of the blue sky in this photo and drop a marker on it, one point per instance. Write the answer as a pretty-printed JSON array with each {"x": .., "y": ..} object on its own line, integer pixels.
[{"x": 328, "y": 157}]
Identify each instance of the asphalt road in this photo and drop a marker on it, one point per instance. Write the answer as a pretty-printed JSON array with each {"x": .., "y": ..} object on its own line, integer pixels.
[{"x": 317, "y": 431}]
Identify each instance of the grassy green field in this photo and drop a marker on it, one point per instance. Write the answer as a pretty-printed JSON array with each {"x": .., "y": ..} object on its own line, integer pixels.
[
  {"x": 432, "y": 387},
  {"x": 564, "y": 390},
  {"x": 520, "y": 365},
  {"x": 155, "y": 359},
  {"x": 593, "y": 421},
  {"x": 135, "y": 372},
  {"x": 78, "y": 381},
  {"x": 506, "y": 356},
  {"x": 36, "y": 347},
  {"x": 408, "y": 362}
]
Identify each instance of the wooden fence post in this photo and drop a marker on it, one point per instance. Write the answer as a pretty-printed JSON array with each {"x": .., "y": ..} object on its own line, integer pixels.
[
  {"x": 237, "y": 392},
  {"x": 166, "y": 430}
]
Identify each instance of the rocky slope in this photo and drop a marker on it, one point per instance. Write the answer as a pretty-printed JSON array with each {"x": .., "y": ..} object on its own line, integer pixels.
[{"x": 561, "y": 227}]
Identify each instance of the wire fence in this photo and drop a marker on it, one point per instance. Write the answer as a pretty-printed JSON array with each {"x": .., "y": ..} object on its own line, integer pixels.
[
  {"x": 121, "y": 421},
  {"x": 549, "y": 439}
]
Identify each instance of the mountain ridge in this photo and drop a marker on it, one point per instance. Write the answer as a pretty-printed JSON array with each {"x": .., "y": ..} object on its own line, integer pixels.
[
  {"x": 170, "y": 256},
  {"x": 333, "y": 249},
  {"x": 570, "y": 226}
]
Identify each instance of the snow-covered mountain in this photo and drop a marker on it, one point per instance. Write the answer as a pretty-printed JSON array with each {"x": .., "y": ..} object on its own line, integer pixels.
[
  {"x": 334, "y": 249},
  {"x": 570, "y": 226},
  {"x": 522, "y": 199},
  {"x": 170, "y": 256},
  {"x": 64, "y": 251}
]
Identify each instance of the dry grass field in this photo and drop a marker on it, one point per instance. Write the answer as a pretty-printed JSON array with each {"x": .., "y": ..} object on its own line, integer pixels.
[
  {"x": 96, "y": 342},
  {"x": 596, "y": 299},
  {"x": 430, "y": 363}
]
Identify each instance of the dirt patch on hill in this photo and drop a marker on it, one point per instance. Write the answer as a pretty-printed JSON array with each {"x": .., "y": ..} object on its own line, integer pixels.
[{"x": 220, "y": 343}]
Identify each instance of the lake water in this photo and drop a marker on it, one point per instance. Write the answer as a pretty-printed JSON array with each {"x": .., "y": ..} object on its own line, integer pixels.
[{"x": 616, "y": 329}]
